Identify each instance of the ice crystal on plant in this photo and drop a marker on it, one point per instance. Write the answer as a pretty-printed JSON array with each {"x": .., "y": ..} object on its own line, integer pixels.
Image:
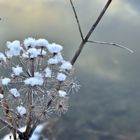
[
  {"x": 54, "y": 48},
  {"x": 66, "y": 66},
  {"x": 1, "y": 96},
  {"x": 14, "y": 92},
  {"x": 14, "y": 48},
  {"x": 61, "y": 77},
  {"x": 29, "y": 42},
  {"x": 62, "y": 93},
  {"x": 17, "y": 70},
  {"x": 6, "y": 81},
  {"x": 21, "y": 110},
  {"x": 2, "y": 57},
  {"x": 41, "y": 43}
]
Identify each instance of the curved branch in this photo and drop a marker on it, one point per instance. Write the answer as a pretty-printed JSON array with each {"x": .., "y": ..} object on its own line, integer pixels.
[{"x": 112, "y": 44}]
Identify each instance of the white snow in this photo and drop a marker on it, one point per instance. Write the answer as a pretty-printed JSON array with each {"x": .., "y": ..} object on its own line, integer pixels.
[
  {"x": 25, "y": 55},
  {"x": 33, "y": 52},
  {"x": 17, "y": 70},
  {"x": 66, "y": 66},
  {"x": 21, "y": 110},
  {"x": 41, "y": 52},
  {"x": 37, "y": 80},
  {"x": 35, "y": 136},
  {"x": 41, "y": 43},
  {"x": 53, "y": 61},
  {"x": 2, "y": 57},
  {"x": 61, "y": 77},
  {"x": 29, "y": 42},
  {"x": 56, "y": 59},
  {"x": 54, "y": 48},
  {"x": 59, "y": 57},
  {"x": 1, "y": 96},
  {"x": 14, "y": 48},
  {"x": 62, "y": 93},
  {"x": 48, "y": 72},
  {"x": 8, "y": 54},
  {"x": 14, "y": 92},
  {"x": 6, "y": 81}
]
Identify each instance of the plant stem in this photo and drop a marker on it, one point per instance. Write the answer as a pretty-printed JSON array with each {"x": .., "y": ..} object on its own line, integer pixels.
[{"x": 76, "y": 55}]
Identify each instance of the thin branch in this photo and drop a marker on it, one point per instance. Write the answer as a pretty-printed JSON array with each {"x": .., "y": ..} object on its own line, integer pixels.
[
  {"x": 10, "y": 126},
  {"x": 77, "y": 20},
  {"x": 76, "y": 55},
  {"x": 112, "y": 44},
  {"x": 3, "y": 128},
  {"x": 30, "y": 103}
]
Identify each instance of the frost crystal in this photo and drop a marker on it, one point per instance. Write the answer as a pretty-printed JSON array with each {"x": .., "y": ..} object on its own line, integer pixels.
[
  {"x": 29, "y": 42},
  {"x": 41, "y": 43},
  {"x": 21, "y": 110},
  {"x": 17, "y": 70},
  {"x": 41, "y": 52},
  {"x": 66, "y": 66},
  {"x": 48, "y": 72},
  {"x": 1, "y": 96},
  {"x": 33, "y": 52},
  {"x": 14, "y": 48},
  {"x": 61, "y": 77},
  {"x": 6, "y": 81},
  {"x": 2, "y": 57},
  {"x": 62, "y": 93},
  {"x": 59, "y": 58},
  {"x": 14, "y": 92},
  {"x": 34, "y": 81},
  {"x": 53, "y": 61},
  {"x": 54, "y": 48}
]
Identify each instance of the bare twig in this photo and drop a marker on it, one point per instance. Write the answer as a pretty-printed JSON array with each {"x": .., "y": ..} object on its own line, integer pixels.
[
  {"x": 3, "y": 127},
  {"x": 77, "y": 20},
  {"x": 29, "y": 121},
  {"x": 10, "y": 126},
  {"x": 112, "y": 44},
  {"x": 9, "y": 117},
  {"x": 76, "y": 55}
]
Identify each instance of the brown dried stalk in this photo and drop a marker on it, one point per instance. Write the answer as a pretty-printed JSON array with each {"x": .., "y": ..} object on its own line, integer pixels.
[
  {"x": 86, "y": 39},
  {"x": 30, "y": 103},
  {"x": 8, "y": 115}
]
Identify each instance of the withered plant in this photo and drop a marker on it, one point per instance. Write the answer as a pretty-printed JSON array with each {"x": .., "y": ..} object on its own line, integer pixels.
[{"x": 38, "y": 80}]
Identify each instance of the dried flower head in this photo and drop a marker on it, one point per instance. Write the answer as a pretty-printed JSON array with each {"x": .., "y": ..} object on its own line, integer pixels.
[{"x": 38, "y": 79}]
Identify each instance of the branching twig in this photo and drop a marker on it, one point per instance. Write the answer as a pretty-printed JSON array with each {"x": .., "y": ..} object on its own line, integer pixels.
[
  {"x": 76, "y": 55},
  {"x": 77, "y": 20},
  {"x": 112, "y": 44}
]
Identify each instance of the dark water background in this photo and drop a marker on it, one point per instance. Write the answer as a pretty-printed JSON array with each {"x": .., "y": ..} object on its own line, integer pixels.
[{"x": 107, "y": 106}]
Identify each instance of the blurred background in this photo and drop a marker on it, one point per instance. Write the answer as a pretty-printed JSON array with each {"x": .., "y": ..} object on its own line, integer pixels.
[{"x": 107, "y": 106}]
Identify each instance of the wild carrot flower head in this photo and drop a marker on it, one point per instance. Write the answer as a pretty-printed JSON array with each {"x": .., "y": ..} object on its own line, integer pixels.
[{"x": 38, "y": 79}]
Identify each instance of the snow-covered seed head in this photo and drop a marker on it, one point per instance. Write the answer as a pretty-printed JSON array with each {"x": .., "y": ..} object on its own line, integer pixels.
[{"x": 38, "y": 79}]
